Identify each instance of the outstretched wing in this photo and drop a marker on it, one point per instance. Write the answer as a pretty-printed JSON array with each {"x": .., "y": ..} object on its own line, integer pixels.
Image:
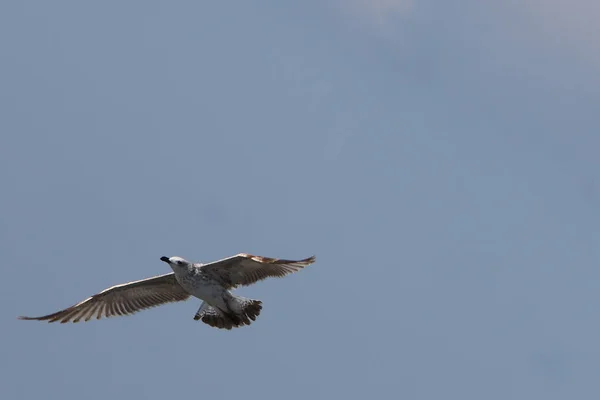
[
  {"x": 245, "y": 269},
  {"x": 124, "y": 299}
]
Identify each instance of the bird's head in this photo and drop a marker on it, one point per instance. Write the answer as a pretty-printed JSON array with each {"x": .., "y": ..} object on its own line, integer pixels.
[{"x": 176, "y": 262}]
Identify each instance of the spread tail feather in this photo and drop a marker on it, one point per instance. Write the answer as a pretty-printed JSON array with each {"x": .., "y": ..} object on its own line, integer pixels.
[{"x": 243, "y": 313}]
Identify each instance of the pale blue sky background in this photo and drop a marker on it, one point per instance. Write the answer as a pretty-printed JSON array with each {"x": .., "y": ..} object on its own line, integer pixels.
[{"x": 439, "y": 158}]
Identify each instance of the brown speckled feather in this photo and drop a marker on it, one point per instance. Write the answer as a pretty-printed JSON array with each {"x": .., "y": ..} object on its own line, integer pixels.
[
  {"x": 124, "y": 299},
  {"x": 245, "y": 269}
]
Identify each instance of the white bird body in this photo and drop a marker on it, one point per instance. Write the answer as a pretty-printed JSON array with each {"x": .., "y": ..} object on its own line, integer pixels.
[
  {"x": 200, "y": 285},
  {"x": 210, "y": 283}
]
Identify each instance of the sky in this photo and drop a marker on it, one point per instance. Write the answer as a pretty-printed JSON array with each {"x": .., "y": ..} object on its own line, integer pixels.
[{"x": 439, "y": 158}]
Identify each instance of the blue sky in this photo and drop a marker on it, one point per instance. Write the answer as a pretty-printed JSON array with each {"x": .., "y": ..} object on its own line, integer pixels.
[{"x": 439, "y": 159}]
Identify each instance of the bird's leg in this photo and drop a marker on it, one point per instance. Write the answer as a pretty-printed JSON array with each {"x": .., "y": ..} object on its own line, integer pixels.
[{"x": 201, "y": 310}]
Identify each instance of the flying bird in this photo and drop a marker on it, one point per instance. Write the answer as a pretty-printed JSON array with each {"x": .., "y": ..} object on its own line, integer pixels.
[{"x": 212, "y": 283}]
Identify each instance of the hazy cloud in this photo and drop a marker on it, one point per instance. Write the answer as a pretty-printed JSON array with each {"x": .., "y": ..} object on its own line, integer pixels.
[
  {"x": 570, "y": 25},
  {"x": 573, "y": 26},
  {"x": 379, "y": 12}
]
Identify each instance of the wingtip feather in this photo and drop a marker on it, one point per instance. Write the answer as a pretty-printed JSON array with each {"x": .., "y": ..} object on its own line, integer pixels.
[{"x": 24, "y": 318}]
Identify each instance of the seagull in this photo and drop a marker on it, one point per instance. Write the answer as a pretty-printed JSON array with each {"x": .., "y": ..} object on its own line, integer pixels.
[{"x": 212, "y": 283}]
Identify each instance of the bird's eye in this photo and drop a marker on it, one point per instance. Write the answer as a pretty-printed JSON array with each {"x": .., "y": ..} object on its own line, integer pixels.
[{"x": 179, "y": 262}]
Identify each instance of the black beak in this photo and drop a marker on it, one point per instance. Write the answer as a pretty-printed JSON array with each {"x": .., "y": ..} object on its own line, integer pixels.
[{"x": 165, "y": 259}]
